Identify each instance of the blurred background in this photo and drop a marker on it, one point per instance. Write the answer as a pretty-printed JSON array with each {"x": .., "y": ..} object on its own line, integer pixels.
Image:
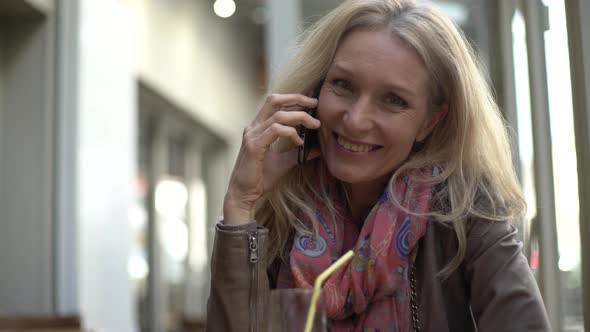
[{"x": 120, "y": 121}]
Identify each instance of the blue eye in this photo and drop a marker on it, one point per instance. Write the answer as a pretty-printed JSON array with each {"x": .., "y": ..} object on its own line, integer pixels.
[
  {"x": 395, "y": 100},
  {"x": 341, "y": 85}
]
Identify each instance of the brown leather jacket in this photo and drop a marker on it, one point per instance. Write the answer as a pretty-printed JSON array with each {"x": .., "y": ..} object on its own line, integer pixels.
[{"x": 493, "y": 290}]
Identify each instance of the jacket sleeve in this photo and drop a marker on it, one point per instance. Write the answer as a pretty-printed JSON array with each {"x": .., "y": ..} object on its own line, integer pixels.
[
  {"x": 504, "y": 292},
  {"x": 239, "y": 283}
]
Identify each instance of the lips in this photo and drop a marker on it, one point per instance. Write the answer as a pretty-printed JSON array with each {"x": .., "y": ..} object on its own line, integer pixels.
[{"x": 355, "y": 146}]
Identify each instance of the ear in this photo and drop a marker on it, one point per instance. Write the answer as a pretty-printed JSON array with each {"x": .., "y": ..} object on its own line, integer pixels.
[{"x": 432, "y": 119}]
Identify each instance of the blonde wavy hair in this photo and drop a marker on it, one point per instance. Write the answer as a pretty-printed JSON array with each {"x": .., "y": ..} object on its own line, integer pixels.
[{"x": 470, "y": 145}]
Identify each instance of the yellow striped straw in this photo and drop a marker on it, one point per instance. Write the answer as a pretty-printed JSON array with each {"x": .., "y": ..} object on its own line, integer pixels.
[{"x": 317, "y": 288}]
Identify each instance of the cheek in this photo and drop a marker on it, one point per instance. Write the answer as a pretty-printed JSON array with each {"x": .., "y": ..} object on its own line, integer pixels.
[
  {"x": 401, "y": 131},
  {"x": 327, "y": 109}
]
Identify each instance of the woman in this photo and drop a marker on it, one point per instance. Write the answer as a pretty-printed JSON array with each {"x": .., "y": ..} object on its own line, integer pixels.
[{"x": 413, "y": 171}]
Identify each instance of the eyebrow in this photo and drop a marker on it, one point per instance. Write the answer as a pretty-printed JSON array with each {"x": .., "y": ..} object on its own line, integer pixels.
[{"x": 393, "y": 86}]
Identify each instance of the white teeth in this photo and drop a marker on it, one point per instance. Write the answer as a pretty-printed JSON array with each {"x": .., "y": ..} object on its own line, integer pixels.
[{"x": 354, "y": 147}]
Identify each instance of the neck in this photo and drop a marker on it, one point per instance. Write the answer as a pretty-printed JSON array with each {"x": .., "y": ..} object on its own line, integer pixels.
[{"x": 363, "y": 196}]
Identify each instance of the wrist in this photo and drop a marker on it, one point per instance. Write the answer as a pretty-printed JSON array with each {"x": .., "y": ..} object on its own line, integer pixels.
[{"x": 236, "y": 213}]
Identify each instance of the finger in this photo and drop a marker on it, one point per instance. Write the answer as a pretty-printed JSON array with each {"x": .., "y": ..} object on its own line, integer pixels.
[
  {"x": 277, "y": 130},
  {"x": 289, "y": 159},
  {"x": 291, "y": 108},
  {"x": 293, "y": 118},
  {"x": 275, "y": 102}
]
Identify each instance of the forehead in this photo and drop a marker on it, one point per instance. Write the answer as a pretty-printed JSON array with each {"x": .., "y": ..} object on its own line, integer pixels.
[{"x": 381, "y": 56}]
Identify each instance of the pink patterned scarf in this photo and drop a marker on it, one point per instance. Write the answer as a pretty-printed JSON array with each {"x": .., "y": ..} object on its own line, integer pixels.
[{"x": 372, "y": 292}]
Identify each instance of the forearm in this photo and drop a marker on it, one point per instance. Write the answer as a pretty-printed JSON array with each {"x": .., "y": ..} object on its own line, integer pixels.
[{"x": 239, "y": 283}]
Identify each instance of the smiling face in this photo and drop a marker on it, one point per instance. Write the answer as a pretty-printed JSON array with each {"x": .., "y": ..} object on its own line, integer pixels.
[{"x": 373, "y": 106}]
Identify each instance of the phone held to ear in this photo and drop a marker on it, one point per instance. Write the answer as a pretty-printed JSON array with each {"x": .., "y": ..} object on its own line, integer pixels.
[
  {"x": 309, "y": 136},
  {"x": 310, "y": 140}
]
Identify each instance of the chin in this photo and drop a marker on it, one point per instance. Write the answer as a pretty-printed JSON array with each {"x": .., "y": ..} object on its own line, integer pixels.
[{"x": 353, "y": 175}]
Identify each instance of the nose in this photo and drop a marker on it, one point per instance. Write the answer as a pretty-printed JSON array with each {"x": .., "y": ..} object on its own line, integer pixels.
[{"x": 358, "y": 117}]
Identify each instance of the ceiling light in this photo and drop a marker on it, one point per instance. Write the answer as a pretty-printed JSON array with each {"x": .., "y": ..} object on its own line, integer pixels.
[{"x": 224, "y": 8}]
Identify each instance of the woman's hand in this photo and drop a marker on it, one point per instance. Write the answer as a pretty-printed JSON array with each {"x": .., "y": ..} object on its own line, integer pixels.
[{"x": 258, "y": 167}]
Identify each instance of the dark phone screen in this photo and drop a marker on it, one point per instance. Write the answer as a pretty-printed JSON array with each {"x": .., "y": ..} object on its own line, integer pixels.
[{"x": 309, "y": 136}]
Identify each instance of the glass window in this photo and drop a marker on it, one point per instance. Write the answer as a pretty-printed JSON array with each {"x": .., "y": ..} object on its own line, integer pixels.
[
  {"x": 524, "y": 125},
  {"x": 564, "y": 166}
]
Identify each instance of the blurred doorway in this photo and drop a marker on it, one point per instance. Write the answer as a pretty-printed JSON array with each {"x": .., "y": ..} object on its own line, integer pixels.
[{"x": 171, "y": 238}]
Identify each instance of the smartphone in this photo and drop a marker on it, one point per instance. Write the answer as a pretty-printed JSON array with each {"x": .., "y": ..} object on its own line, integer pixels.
[{"x": 309, "y": 136}]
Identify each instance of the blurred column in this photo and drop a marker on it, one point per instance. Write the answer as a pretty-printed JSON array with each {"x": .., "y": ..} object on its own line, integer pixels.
[
  {"x": 505, "y": 84},
  {"x": 157, "y": 296},
  {"x": 501, "y": 65},
  {"x": 107, "y": 163},
  {"x": 197, "y": 274},
  {"x": 67, "y": 98},
  {"x": 536, "y": 23},
  {"x": 27, "y": 156},
  {"x": 578, "y": 29},
  {"x": 282, "y": 30}
]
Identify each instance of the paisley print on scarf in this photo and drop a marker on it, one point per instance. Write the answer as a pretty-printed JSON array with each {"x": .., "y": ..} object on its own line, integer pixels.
[
  {"x": 311, "y": 247},
  {"x": 371, "y": 292},
  {"x": 402, "y": 243}
]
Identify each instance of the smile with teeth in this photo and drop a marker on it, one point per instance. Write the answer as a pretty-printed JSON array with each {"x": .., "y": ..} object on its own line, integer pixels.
[{"x": 354, "y": 147}]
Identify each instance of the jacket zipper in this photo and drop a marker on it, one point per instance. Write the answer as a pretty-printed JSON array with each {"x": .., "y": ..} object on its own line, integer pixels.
[{"x": 253, "y": 246}]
